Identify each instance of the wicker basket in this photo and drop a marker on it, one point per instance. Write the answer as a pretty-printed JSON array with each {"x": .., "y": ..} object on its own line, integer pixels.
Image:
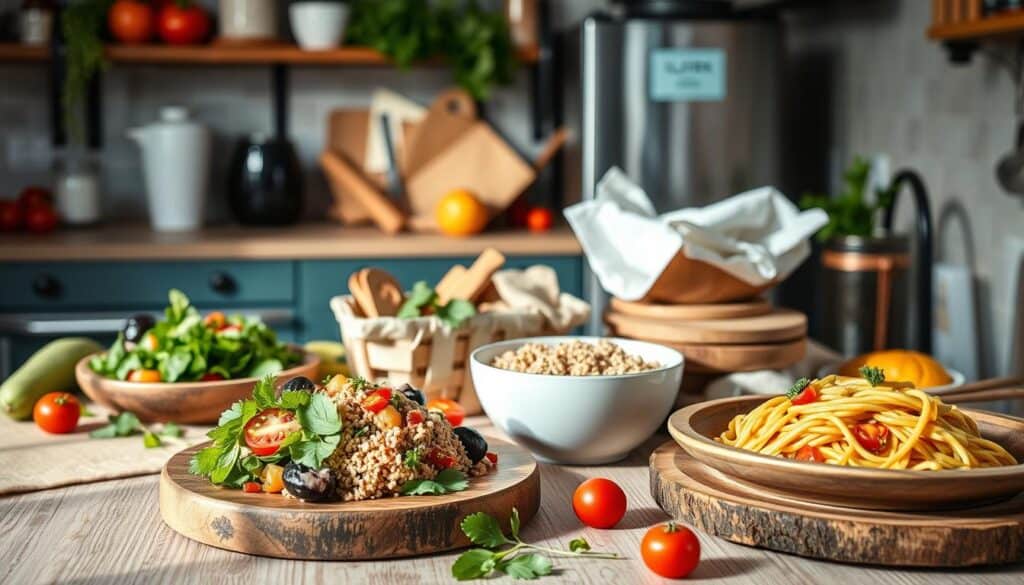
[{"x": 423, "y": 352}]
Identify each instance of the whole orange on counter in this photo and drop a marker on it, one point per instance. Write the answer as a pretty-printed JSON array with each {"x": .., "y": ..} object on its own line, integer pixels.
[
  {"x": 901, "y": 365},
  {"x": 460, "y": 213}
]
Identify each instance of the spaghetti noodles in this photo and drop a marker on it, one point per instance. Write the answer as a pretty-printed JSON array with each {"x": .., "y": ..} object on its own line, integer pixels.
[{"x": 850, "y": 421}]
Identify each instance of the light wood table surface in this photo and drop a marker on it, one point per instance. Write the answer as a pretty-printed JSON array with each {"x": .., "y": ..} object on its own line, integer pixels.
[{"x": 111, "y": 533}]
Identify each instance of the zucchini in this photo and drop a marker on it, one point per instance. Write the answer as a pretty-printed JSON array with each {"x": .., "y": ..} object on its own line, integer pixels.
[{"x": 51, "y": 369}]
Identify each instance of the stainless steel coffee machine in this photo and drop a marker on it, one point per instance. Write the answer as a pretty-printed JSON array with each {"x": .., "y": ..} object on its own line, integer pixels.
[{"x": 683, "y": 95}]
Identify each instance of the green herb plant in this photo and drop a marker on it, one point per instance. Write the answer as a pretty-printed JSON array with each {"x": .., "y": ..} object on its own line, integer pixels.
[
  {"x": 473, "y": 41},
  {"x": 82, "y": 23},
  {"x": 874, "y": 376},
  {"x": 186, "y": 349},
  {"x": 510, "y": 556},
  {"x": 424, "y": 298},
  {"x": 229, "y": 461},
  {"x": 849, "y": 214},
  {"x": 797, "y": 387},
  {"x": 127, "y": 423}
]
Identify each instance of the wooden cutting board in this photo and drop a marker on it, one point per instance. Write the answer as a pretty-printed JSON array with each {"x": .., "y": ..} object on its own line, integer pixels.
[
  {"x": 735, "y": 310},
  {"x": 275, "y": 526},
  {"x": 775, "y": 326},
  {"x": 714, "y": 503},
  {"x": 720, "y": 359},
  {"x": 452, "y": 113}
]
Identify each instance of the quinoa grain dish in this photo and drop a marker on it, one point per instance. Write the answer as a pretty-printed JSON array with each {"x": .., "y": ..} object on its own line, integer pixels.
[
  {"x": 346, "y": 440},
  {"x": 573, "y": 358}
]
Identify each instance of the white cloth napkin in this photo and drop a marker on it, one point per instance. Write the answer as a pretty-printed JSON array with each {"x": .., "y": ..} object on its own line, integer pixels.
[{"x": 759, "y": 236}]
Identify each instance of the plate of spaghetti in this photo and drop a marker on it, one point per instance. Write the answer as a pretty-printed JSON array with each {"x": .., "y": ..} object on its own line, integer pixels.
[{"x": 858, "y": 442}]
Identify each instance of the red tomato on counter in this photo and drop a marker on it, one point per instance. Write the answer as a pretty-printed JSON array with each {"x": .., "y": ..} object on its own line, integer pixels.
[
  {"x": 57, "y": 412},
  {"x": 599, "y": 503},
  {"x": 670, "y": 550}
]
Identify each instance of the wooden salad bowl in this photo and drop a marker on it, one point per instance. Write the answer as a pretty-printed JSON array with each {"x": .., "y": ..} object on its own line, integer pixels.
[
  {"x": 695, "y": 427},
  {"x": 180, "y": 402}
]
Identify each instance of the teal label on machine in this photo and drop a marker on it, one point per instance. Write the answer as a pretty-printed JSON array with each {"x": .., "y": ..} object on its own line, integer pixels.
[{"x": 688, "y": 75}]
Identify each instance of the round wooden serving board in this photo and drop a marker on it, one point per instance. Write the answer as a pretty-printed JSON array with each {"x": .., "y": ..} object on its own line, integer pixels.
[
  {"x": 276, "y": 526},
  {"x": 734, "y": 310},
  {"x": 718, "y": 505},
  {"x": 779, "y": 325}
]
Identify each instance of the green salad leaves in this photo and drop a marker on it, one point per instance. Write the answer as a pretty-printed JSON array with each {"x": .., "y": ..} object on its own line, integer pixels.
[
  {"x": 230, "y": 463},
  {"x": 185, "y": 347}
]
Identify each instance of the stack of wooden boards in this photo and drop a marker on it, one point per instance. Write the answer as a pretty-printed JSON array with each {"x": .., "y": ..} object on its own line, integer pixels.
[
  {"x": 444, "y": 148},
  {"x": 718, "y": 338}
]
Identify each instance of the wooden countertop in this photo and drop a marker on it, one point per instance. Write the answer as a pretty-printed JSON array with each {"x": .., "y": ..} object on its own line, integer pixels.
[
  {"x": 303, "y": 241},
  {"x": 111, "y": 532}
]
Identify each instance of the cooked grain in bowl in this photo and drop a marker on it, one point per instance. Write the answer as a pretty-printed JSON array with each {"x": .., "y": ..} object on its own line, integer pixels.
[{"x": 573, "y": 358}]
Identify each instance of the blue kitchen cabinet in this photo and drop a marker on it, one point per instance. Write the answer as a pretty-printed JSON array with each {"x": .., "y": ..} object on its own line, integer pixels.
[{"x": 319, "y": 280}]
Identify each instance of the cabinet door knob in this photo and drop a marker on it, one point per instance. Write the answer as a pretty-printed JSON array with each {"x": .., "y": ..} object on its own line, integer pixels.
[
  {"x": 223, "y": 283},
  {"x": 46, "y": 286}
]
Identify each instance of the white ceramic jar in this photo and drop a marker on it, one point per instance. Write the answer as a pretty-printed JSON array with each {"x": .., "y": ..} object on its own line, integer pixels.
[
  {"x": 176, "y": 165},
  {"x": 248, "y": 20},
  {"x": 318, "y": 26}
]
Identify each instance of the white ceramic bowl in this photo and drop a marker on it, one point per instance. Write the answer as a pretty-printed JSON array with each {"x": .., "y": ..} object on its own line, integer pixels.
[
  {"x": 318, "y": 26},
  {"x": 580, "y": 420}
]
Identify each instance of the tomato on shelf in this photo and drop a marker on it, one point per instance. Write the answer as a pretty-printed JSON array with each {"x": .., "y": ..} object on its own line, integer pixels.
[
  {"x": 265, "y": 432},
  {"x": 872, "y": 436},
  {"x": 539, "y": 219},
  {"x": 57, "y": 413},
  {"x": 670, "y": 550},
  {"x": 145, "y": 376},
  {"x": 377, "y": 400},
  {"x": 599, "y": 503},
  {"x": 130, "y": 21},
  {"x": 809, "y": 453},
  {"x": 806, "y": 396},
  {"x": 40, "y": 219},
  {"x": 183, "y": 23},
  {"x": 34, "y": 196},
  {"x": 451, "y": 410},
  {"x": 10, "y": 216}
]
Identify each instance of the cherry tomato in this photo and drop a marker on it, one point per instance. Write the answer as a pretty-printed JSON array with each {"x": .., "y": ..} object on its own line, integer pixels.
[
  {"x": 273, "y": 478},
  {"x": 451, "y": 410},
  {"x": 539, "y": 219},
  {"x": 34, "y": 196},
  {"x": 809, "y": 453},
  {"x": 183, "y": 26},
  {"x": 377, "y": 400},
  {"x": 670, "y": 550},
  {"x": 492, "y": 457},
  {"x": 414, "y": 418},
  {"x": 518, "y": 211},
  {"x": 40, "y": 219},
  {"x": 144, "y": 376},
  {"x": 211, "y": 377},
  {"x": 215, "y": 320},
  {"x": 252, "y": 487},
  {"x": 871, "y": 435},
  {"x": 230, "y": 330},
  {"x": 10, "y": 216},
  {"x": 599, "y": 503},
  {"x": 806, "y": 396},
  {"x": 57, "y": 412},
  {"x": 130, "y": 21},
  {"x": 265, "y": 432},
  {"x": 439, "y": 459}
]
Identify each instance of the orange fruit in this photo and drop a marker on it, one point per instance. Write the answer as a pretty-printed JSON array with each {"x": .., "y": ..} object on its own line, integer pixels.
[
  {"x": 901, "y": 365},
  {"x": 460, "y": 213}
]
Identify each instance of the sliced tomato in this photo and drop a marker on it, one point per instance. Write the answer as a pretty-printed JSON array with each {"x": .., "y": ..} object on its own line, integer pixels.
[
  {"x": 492, "y": 457},
  {"x": 377, "y": 400},
  {"x": 265, "y": 432},
  {"x": 806, "y": 396},
  {"x": 451, "y": 410},
  {"x": 252, "y": 487},
  {"x": 872, "y": 436},
  {"x": 414, "y": 418},
  {"x": 809, "y": 453},
  {"x": 439, "y": 459}
]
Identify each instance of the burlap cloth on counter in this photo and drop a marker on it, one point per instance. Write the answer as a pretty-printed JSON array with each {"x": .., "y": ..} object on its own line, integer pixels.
[{"x": 31, "y": 459}]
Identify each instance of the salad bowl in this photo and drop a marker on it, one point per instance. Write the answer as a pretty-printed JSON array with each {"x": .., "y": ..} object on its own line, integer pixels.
[{"x": 180, "y": 402}]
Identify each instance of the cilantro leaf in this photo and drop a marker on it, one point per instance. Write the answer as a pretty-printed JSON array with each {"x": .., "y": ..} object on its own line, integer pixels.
[
  {"x": 411, "y": 459},
  {"x": 528, "y": 566},
  {"x": 514, "y": 523},
  {"x": 448, "y": 481},
  {"x": 875, "y": 376},
  {"x": 453, "y": 480},
  {"x": 204, "y": 461},
  {"x": 293, "y": 399},
  {"x": 473, "y": 564},
  {"x": 263, "y": 392},
  {"x": 150, "y": 440},
  {"x": 121, "y": 425},
  {"x": 483, "y": 530},
  {"x": 312, "y": 453},
  {"x": 797, "y": 387},
  {"x": 172, "y": 430},
  {"x": 176, "y": 364},
  {"x": 320, "y": 416},
  {"x": 579, "y": 545}
]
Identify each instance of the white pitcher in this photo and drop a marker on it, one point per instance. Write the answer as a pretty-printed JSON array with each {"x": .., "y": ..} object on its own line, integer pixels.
[{"x": 176, "y": 163}]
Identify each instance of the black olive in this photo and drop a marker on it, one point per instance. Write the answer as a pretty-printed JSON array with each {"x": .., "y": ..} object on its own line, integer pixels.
[
  {"x": 412, "y": 394},
  {"x": 299, "y": 383},
  {"x": 309, "y": 484},
  {"x": 474, "y": 443},
  {"x": 137, "y": 325}
]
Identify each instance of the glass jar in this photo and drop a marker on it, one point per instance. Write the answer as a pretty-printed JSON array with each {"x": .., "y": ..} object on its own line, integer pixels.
[{"x": 77, "y": 192}]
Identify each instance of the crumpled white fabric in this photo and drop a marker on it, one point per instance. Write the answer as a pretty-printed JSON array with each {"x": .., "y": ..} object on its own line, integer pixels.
[{"x": 758, "y": 236}]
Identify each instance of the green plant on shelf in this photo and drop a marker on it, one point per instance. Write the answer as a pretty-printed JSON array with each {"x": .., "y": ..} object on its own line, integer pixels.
[
  {"x": 82, "y": 24},
  {"x": 849, "y": 213}
]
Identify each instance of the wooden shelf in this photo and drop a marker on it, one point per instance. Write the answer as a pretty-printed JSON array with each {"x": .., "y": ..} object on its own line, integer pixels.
[
  {"x": 222, "y": 54},
  {"x": 1001, "y": 25}
]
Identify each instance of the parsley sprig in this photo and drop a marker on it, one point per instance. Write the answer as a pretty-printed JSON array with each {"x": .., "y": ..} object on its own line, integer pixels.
[
  {"x": 229, "y": 462},
  {"x": 797, "y": 387},
  {"x": 875, "y": 376},
  {"x": 422, "y": 297},
  {"x": 127, "y": 423},
  {"x": 519, "y": 560},
  {"x": 446, "y": 482}
]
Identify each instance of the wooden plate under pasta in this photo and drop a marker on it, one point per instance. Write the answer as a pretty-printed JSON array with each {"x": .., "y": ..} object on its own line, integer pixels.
[{"x": 695, "y": 427}]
